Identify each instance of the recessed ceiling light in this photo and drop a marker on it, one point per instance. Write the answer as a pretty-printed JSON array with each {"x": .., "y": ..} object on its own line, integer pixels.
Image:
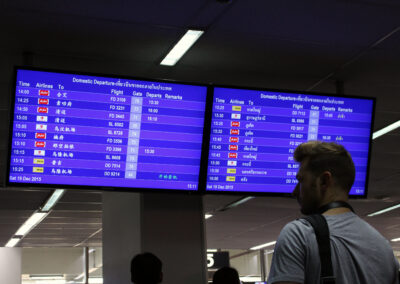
[
  {"x": 384, "y": 210},
  {"x": 263, "y": 245},
  {"x": 190, "y": 37},
  {"x": 12, "y": 242},
  {"x": 31, "y": 223},
  {"x": 386, "y": 129},
  {"x": 207, "y": 216},
  {"x": 57, "y": 194}
]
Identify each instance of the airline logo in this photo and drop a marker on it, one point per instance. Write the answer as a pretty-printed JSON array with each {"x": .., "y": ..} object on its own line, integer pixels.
[
  {"x": 231, "y": 171},
  {"x": 40, "y": 144},
  {"x": 39, "y": 135},
  {"x": 236, "y": 108},
  {"x": 44, "y": 93},
  {"x": 233, "y": 147},
  {"x": 232, "y": 163},
  {"x": 38, "y": 170},
  {"x": 41, "y": 127},
  {"x": 235, "y": 116},
  {"x": 233, "y": 139},
  {"x": 235, "y": 123},
  {"x": 232, "y": 155},
  {"x": 42, "y": 110},
  {"x": 230, "y": 178},
  {"x": 41, "y": 118},
  {"x": 38, "y": 161},
  {"x": 235, "y": 131},
  {"x": 39, "y": 152},
  {"x": 43, "y": 101}
]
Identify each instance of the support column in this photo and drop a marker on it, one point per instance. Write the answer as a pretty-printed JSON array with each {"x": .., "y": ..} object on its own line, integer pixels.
[
  {"x": 10, "y": 265},
  {"x": 169, "y": 225}
]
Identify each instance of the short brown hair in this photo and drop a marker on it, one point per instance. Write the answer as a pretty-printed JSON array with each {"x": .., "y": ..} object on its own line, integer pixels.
[{"x": 332, "y": 157}]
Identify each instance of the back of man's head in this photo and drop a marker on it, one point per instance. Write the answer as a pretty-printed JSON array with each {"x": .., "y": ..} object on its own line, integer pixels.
[
  {"x": 332, "y": 157},
  {"x": 226, "y": 275},
  {"x": 146, "y": 268}
]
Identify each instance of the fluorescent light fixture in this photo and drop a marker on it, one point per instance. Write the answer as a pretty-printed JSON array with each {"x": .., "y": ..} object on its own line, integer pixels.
[
  {"x": 263, "y": 245},
  {"x": 31, "y": 223},
  {"x": 386, "y": 129},
  {"x": 93, "y": 269},
  {"x": 190, "y": 37},
  {"x": 57, "y": 194},
  {"x": 384, "y": 210},
  {"x": 207, "y": 216},
  {"x": 250, "y": 278},
  {"x": 47, "y": 277},
  {"x": 13, "y": 242},
  {"x": 80, "y": 276},
  {"x": 212, "y": 250},
  {"x": 96, "y": 280},
  {"x": 237, "y": 202},
  {"x": 395, "y": 240}
]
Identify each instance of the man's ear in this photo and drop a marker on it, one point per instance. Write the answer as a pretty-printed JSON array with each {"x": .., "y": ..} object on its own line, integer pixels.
[{"x": 325, "y": 180}]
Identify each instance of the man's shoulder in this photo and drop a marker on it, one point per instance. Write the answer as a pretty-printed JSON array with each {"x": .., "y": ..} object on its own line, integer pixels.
[{"x": 297, "y": 228}]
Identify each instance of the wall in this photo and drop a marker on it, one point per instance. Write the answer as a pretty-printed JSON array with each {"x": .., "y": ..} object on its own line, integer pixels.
[{"x": 10, "y": 265}]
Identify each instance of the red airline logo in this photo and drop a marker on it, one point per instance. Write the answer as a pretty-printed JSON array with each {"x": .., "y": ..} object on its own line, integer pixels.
[
  {"x": 235, "y": 123},
  {"x": 40, "y": 144},
  {"x": 233, "y": 139},
  {"x": 40, "y": 135},
  {"x": 43, "y": 101},
  {"x": 235, "y": 131},
  {"x": 232, "y": 155},
  {"x": 44, "y": 92},
  {"x": 233, "y": 147},
  {"x": 42, "y": 110}
]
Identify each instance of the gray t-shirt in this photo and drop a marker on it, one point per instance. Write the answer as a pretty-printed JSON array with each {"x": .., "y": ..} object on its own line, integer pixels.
[{"x": 360, "y": 254}]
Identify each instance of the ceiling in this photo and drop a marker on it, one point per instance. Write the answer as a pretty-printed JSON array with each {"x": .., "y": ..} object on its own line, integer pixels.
[{"x": 289, "y": 44}]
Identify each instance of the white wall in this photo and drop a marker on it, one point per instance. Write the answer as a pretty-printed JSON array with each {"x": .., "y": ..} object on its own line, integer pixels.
[
  {"x": 248, "y": 264},
  {"x": 10, "y": 265},
  {"x": 52, "y": 261}
]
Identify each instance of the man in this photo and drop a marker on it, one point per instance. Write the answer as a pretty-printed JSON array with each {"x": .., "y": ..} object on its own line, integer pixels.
[
  {"x": 146, "y": 268},
  {"x": 359, "y": 253},
  {"x": 226, "y": 275}
]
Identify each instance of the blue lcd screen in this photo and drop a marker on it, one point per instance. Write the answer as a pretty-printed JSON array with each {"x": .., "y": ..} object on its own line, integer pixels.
[
  {"x": 82, "y": 130},
  {"x": 254, "y": 134}
]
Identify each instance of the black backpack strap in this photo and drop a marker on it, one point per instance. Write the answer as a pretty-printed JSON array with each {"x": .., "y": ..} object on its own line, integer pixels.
[{"x": 321, "y": 230}]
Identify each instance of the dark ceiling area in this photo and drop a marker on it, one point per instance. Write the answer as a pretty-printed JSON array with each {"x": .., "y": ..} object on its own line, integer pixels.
[{"x": 295, "y": 45}]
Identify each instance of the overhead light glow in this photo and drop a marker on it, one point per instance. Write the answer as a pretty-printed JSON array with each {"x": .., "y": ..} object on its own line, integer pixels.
[
  {"x": 384, "y": 210},
  {"x": 190, "y": 37},
  {"x": 13, "y": 242},
  {"x": 47, "y": 277},
  {"x": 212, "y": 250},
  {"x": 395, "y": 240},
  {"x": 57, "y": 194},
  {"x": 386, "y": 129},
  {"x": 263, "y": 245},
  {"x": 207, "y": 216},
  {"x": 31, "y": 223}
]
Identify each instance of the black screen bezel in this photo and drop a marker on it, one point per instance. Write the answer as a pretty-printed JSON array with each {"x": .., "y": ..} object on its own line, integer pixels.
[
  {"x": 321, "y": 94},
  {"x": 97, "y": 188}
]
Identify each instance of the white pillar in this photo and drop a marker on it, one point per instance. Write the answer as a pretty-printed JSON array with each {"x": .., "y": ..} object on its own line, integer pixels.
[
  {"x": 169, "y": 225},
  {"x": 10, "y": 265}
]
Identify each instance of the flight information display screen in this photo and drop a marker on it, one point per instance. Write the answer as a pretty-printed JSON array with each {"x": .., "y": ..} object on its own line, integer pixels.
[
  {"x": 254, "y": 135},
  {"x": 82, "y": 130}
]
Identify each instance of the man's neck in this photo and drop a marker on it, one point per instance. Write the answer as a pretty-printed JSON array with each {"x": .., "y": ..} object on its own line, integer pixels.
[{"x": 336, "y": 211}]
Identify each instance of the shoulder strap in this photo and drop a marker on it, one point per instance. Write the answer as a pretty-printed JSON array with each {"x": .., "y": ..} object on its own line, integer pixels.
[{"x": 321, "y": 230}]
